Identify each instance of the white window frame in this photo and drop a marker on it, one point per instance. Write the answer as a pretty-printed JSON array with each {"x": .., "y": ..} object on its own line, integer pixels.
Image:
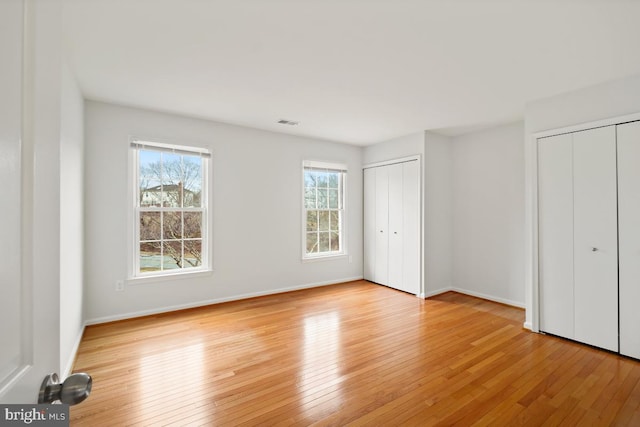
[
  {"x": 338, "y": 167},
  {"x": 135, "y": 275}
]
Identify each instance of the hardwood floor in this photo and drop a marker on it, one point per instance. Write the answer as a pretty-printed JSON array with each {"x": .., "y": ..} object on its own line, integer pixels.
[{"x": 350, "y": 354}]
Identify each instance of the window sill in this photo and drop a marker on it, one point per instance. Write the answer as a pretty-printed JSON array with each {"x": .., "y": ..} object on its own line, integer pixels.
[
  {"x": 325, "y": 258},
  {"x": 168, "y": 277}
]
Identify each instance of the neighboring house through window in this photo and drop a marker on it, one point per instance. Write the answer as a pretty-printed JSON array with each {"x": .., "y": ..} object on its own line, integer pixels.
[
  {"x": 170, "y": 209},
  {"x": 323, "y": 209}
]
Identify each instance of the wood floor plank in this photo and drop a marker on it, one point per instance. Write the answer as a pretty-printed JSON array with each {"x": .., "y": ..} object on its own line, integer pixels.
[{"x": 355, "y": 354}]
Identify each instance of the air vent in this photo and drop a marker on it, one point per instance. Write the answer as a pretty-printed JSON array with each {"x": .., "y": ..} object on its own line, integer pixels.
[{"x": 287, "y": 122}]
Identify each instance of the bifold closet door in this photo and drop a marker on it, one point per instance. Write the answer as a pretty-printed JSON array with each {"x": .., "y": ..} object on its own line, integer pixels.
[
  {"x": 411, "y": 227},
  {"x": 629, "y": 236},
  {"x": 595, "y": 237},
  {"x": 369, "y": 177},
  {"x": 555, "y": 231},
  {"x": 381, "y": 267},
  {"x": 392, "y": 225},
  {"x": 394, "y": 173},
  {"x": 578, "y": 256}
]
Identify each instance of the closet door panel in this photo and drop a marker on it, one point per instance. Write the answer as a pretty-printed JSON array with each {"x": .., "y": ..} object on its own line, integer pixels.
[
  {"x": 411, "y": 227},
  {"x": 595, "y": 237},
  {"x": 555, "y": 230},
  {"x": 369, "y": 223},
  {"x": 381, "y": 269},
  {"x": 629, "y": 236},
  {"x": 395, "y": 226}
]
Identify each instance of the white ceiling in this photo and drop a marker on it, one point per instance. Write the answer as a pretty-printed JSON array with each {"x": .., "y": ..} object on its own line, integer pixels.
[{"x": 348, "y": 70}]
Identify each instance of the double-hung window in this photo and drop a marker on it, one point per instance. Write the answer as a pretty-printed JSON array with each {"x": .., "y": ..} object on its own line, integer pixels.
[
  {"x": 170, "y": 209},
  {"x": 323, "y": 209}
]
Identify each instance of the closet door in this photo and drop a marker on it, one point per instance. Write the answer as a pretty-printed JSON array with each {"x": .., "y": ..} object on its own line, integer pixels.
[
  {"x": 595, "y": 237},
  {"x": 555, "y": 231},
  {"x": 381, "y": 267},
  {"x": 369, "y": 223},
  {"x": 396, "y": 250},
  {"x": 629, "y": 236},
  {"x": 411, "y": 227}
]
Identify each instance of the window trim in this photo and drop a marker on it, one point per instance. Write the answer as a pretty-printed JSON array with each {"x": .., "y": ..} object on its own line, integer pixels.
[
  {"x": 343, "y": 168},
  {"x": 134, "y": 274}
]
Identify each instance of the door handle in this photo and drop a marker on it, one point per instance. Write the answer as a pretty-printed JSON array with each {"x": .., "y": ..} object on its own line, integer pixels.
[{"x": 72, "y": 391}]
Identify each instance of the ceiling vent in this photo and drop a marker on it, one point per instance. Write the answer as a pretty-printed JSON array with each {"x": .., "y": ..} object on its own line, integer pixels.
[{"x": 287, "y": 122}]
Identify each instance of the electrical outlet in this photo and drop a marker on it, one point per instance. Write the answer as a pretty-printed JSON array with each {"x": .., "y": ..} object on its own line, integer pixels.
[{"x": 119, "y": 285}]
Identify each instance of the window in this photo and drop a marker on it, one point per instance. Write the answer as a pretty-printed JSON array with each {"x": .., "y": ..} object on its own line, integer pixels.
[
  {"x": 170, "y": 209},
  {"x": 323, "y": 222}
]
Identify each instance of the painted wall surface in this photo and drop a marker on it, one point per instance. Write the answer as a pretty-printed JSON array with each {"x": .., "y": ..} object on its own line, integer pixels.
[
  {"x": 488, "y": 213},
  {"x": 71, "y": 218},
  {"x": 408, "y": 145},
  {"x": 257, "y": 212},
  {"x": 604, "y": 101},
  {"x": 437, "y": 208}
]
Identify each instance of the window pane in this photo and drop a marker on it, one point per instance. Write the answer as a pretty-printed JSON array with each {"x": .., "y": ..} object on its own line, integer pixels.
[
  {"x": 333, "y": 179},
  {"x": 150, "y": 257},
  {"x": 335, "y": 241},
  {"x": 334, "y": 221},
  {"x": 309, "y": 179},
  {"x": 323, "y": 180},
  {"x": 324, "y": 242},
  {"x": 333, "y": 199},
  {"x": 150, "y": 191},
  {"x": 192, "y": 253},
  {"x": 312, "y": 243},
  {"x": 172, "y": 225},
  {"x": 312, "y": 220},
  {"x": 323, "y": 203},
  {"x": 323, "y": 220},
  {"x": 310, "y": 198},
  {"x": 192, "y": 180},
  {"x": 192, "y": 225},
  {"x": 171, "y": 180},
  {"x": 149, "y": 226},
  {"x": 172, "y": 258}
]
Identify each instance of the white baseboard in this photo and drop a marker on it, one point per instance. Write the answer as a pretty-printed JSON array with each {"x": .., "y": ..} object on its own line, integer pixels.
[
  {"x": 437, "y": 292},
  {"x": 166, "y": 309},
  {"x": 489, "y": 297},
  {"x": 475, "y": 294},
  {"x": 528, "y": 325},
  {"x": 72, "y": 357}
]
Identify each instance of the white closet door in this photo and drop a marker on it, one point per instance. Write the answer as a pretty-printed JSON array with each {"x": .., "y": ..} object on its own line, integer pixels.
[
  {"x": 381, "y": 269},
  {"x": 555, "y": 216},
  {"x": 369, "y": 223},
  {"x": 595, "y": 237},
  {"x": 411, "y": 227},
  {"x": 395, "y": 226},
  {"x": 629, "y": 236}
]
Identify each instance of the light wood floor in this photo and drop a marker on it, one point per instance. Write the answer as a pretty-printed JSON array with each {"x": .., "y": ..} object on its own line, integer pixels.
[{"x": 356, "y": 353}]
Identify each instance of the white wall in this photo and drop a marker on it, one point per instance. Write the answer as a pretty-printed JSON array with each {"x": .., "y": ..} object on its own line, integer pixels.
[
  {"x": 604, "y": 101},
  {"x": 437, "y": 208},
  {"x": 408, "y": 145},
  {"x": 256, "y": 212},
  {"x": 488, "y": 214},
  {"x": 71, "y": 219}
]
